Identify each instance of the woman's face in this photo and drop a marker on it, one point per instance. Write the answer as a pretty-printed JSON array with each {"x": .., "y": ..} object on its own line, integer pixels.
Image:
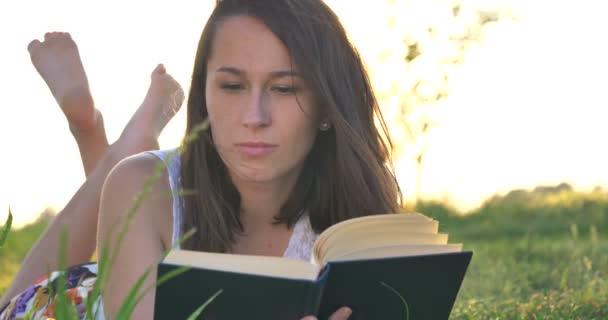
[{"x": 263, "y": 116}]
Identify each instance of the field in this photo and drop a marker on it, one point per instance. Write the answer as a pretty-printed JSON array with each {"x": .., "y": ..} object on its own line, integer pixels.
[{"x": 538, "y": 254}]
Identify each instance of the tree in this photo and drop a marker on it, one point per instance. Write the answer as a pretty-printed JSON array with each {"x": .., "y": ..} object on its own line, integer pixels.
[{"x": 412, "y": 78}]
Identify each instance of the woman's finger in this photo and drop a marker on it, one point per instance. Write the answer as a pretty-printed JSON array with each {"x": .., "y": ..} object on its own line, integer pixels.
[{"x": 341, "y": 314}]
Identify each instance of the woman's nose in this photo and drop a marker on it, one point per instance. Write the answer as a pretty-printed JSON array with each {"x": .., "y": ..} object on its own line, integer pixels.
[{"x": 257, "y": 111}]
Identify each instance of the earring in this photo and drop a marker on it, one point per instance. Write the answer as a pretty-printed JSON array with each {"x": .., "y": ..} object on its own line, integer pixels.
[{"x": 324, "y": 126}]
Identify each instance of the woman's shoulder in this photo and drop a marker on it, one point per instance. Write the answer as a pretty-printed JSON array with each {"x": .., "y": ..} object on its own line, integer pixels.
[
  {"x": 141, "y": 174},
  {"x": 138, "y": 168}
]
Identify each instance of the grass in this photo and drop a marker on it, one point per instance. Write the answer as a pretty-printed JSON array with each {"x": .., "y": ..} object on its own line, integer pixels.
[
  {"x": 538, "y": 254},
  {"x": 7, "y": 227},
  {"x": 16, "y": 246}
]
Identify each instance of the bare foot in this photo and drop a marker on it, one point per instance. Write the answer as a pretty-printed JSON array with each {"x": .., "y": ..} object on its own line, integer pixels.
[
  {"x": 163, "y": 100},
  {"x": 58, "y": 62}
]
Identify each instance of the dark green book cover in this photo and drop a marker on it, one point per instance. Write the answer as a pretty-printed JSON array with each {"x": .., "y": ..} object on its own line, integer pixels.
[{"x": 425, "y": 287}]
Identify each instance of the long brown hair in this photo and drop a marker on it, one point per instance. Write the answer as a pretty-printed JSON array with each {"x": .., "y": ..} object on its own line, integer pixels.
[{"x": 347, "y": 172}]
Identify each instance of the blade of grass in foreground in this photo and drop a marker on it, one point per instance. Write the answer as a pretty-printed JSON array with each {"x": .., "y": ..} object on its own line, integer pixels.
[
  {"x": 128, "y": 305},
  {"x": 133, "y": 298},
  {"x": 91, "y": 300},
  {"x": 405, "y": 305},
  {"x": 107, "y": 260},
  {"x": 64, "y": 308},
  {"x": 200, "y": 309},
  {"x": 7, "y": 227}
]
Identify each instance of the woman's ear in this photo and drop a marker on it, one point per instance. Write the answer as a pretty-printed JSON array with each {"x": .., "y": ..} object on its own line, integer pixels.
[{"x": 324, "y": 125}]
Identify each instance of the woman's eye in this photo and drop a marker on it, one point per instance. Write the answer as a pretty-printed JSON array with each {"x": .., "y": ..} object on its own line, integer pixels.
[
  {"x": 231, "y": 86},
  {"x": 285, "y": 89}
]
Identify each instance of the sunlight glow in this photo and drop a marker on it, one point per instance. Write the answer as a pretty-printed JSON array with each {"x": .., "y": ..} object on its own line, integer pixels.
[{"x": 526, "y": 106}]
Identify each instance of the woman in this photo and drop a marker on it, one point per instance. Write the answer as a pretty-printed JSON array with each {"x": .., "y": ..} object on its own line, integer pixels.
[{"x": 292, "y": 146}]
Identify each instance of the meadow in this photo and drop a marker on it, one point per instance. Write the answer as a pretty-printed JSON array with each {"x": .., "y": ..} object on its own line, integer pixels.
[{"x": 538, "y": 254}]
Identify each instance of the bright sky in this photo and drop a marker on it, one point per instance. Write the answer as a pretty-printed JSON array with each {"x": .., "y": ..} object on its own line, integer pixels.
[{"x": 527, "y": 107}]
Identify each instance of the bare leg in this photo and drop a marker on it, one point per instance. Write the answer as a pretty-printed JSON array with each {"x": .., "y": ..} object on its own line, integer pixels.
[
  {"x": 58, "y": 62},
  {"x": 79, "y": 217}
]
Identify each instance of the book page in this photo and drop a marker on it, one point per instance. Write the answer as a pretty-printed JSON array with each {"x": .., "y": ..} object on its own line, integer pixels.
[
  {"x": 377, "y": 240},
  {"x": 354, "y": 230},
  {"x": 390, "y": 223},
  {"x": 246, "y": 264},
  {"x": 384, "y": 219},
  {"x": 380, "y": 236},
  {"x": 397, "y": 251},
  {"x": 386, "y": 226}
]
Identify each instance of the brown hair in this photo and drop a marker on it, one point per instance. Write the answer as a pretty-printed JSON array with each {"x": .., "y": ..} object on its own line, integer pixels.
[{"x": 345, "y": 175}]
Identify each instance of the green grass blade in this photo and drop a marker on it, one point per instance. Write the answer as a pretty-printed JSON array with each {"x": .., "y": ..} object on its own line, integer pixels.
[
  {"x": 61, "y": 309},
  {"x": 102, "y": 263},
  {"x": 166, "y": 277},
  {"x": 407, "y": 308},
  {"x": 107, "y": 260},
  {"x": 133, "y": 298},
  {"x": 30, "y": 313},
  {"x": 64, "y": 309},
  {"x": 200, "y": 309},
  {"x": 6, "y": 228},
  {"x": 170, "y": 275},
  {"x": 156, "y": 174},
  {"x": 128, "y": 305}
]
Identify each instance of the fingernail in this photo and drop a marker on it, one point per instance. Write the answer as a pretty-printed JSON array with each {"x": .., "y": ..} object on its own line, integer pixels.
[{"x": 346, "y": 312}]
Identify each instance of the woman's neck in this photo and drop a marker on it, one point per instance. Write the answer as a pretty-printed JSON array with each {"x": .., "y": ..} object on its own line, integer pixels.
[{"x": 261, "y": 202}]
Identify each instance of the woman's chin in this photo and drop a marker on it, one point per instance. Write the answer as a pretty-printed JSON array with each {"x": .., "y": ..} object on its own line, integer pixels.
[{"x": 253, "y": 175}]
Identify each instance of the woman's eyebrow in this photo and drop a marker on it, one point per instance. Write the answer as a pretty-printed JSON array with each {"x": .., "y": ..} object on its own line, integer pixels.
[
  {"x": 287, "y": 73},
  {"x": 274, "y": 74},
  {"x": 231, "y": 70}
]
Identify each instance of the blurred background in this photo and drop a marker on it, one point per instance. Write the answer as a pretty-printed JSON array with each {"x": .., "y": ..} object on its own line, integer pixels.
[
  {"x": 497, "y": 110},
  {"x": 481, "y": 96}
]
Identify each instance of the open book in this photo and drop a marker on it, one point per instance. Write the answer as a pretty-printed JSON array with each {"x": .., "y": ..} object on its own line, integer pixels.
[{"x": 382, "y": 266}]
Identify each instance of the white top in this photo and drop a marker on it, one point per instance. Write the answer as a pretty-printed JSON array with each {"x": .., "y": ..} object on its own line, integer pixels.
[{"x": 302, "y": 238}]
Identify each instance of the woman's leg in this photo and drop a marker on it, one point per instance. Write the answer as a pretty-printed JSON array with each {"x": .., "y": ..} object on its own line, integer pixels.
[
  {"x": 58, "y": 62},
  {"x": 79, "y": 217}
]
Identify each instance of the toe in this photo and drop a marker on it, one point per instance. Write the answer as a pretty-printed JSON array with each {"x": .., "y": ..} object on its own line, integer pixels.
[
  {"x": 51, "y": 35},
  {"x": 159, "y": 70},
  {"x": 66, "y": 35},
  {"x": 33, "y": 46}
]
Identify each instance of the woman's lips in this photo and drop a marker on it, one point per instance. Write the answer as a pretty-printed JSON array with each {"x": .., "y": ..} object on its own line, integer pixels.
[{"x": 256, "y": 148}]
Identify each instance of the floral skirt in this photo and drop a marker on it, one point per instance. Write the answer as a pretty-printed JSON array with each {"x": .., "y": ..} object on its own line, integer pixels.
[{"x": 38, "y": 301}]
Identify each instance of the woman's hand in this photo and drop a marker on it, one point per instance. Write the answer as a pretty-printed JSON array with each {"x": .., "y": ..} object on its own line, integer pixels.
[{"x": 341, "y": 314}]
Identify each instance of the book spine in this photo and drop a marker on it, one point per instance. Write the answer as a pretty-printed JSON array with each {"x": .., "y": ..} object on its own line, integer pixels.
[
  {"x": 313, "y": 298},
  {"x": 315, "y": 293}
]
